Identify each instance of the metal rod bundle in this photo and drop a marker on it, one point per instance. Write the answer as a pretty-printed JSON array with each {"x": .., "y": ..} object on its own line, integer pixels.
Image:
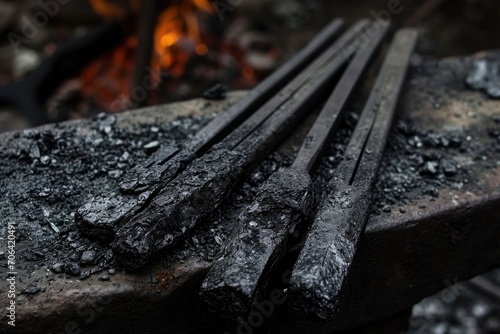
[
  {"x": 104, "y": 213},
  {"x": 325, "y": 261},
  {"x": 207, "y": 181},
  {"x": 160, "y": 201},
  {"x": 241, "y": 271}
]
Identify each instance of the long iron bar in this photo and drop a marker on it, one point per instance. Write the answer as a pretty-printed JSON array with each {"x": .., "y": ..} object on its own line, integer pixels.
[
  {"x": 104, "y": 213},
  {"x": 240, "y": 272},
  {"x": 207, "y": 181},
  {"x": 325, "y": 261}
]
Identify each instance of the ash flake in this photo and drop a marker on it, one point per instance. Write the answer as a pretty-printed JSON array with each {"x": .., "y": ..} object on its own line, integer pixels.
[{"x": 55, "y": 228}]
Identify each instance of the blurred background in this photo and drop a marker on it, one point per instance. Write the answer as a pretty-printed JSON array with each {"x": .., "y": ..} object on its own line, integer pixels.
[
  {"x": 69, "y": 59},
  {"x": 116, "y": 55}
]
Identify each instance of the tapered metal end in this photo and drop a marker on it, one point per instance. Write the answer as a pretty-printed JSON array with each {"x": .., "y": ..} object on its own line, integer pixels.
[
  {"x": 230, "y": 296},
  {"x": 311, "y": 299},
  {"x": 240, "y": 273},
  {"x": 324, "y": 264}
]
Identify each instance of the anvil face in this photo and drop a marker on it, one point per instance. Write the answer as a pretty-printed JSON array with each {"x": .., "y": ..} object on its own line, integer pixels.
[{"x": 417, "y": 239}]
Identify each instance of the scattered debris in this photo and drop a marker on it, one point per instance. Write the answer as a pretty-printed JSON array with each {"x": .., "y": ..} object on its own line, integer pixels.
[
  {"x": 216, "y": 92},
  {"x": 485, "y": 76},
  {"x": 74, "y": 168}
]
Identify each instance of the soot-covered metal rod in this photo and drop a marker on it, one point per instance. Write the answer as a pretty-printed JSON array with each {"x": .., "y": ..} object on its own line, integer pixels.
[
  {"x": 207, "y": 181},
  {"x": 261, "y": 237},
  {"x": 325, "y": 261},
  {"x": 101, "y": 216}
]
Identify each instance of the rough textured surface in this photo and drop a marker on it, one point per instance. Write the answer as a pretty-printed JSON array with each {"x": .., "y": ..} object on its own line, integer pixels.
[
  {"x": 47, "y": 173},
  {"x": 177, "y": 208},
  {"x": 208, "y": 180},
  {"x": 325, "y": 262},
  {"x": 319, "y": 273},
  {"x": 485, "y": 76},
  {"x": 260, "y": 239},
  {"x": 460, "y": 308},
  {"x": 438, "y": 224},
  {"x": 104, "y": 214},
  {"x": 416, "y": 247}
]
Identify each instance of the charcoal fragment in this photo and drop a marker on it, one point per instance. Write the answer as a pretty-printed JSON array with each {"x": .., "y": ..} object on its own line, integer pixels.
[
  {"x": 72, "y": 268},
  {"x": 430, "y": 168},
  {"x": 405, "y": 128},
  {"x": 45, "y": 160},
  {"x": 431, "y": 156},
  {"x": 432, "y": 140},
  {"x": 485, "y": 76},
  {"x": 114, "y": 174},
  {"x": 216, "y": 92},
  {"x": 455, "y": 140},
  {"x": 74, "y": 256},
  {"x": 434, "y": 192},
  {"x": 445, "y": 142},
  {"x": 101, "y": 115},
  {"x": 47, "y": 139},
  {"x": 57, "y": 267},
  {"x": 86, "y": 274},
  {"x": 34, "y": 151},
  {"x": 449, "y": 168},
  {"x": 87, "y": 256},
  {"x": 494, "y": 133},
  {"x": 31, "y": 290}
]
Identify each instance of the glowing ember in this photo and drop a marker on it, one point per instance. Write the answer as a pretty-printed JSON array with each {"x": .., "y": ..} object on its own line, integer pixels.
[
  {"x": 178, "y": 42},
  {"x": 177, "y": 35},
  {"x": 110, "y": 76},
  {"x": 177, "y": 38}
]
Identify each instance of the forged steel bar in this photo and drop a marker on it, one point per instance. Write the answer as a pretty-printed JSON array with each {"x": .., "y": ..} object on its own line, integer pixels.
[
  {"x": 105, "y": 212},
  {"x": 239, "y": 275},
  {"x": 226, "y": 122},
  {"x": 200, "y": 188},
  {"x": 324, "y": 263},
  {"x": 214, "y": 131}
]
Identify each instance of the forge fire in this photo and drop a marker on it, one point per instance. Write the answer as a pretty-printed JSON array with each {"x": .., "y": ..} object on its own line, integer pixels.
[{"x": 219, "y": 166}]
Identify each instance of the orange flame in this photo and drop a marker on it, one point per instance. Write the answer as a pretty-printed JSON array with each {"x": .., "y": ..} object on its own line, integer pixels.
[
  {"x": 177, "y": 35},
  {"x": 177, "y": 38}
]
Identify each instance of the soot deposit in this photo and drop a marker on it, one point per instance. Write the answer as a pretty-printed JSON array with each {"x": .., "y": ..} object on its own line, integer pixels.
[{"x": 47, "y": 175}]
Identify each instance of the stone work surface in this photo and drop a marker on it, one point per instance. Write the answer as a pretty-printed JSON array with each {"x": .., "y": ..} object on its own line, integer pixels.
[{"x": 433, "y": 219}]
